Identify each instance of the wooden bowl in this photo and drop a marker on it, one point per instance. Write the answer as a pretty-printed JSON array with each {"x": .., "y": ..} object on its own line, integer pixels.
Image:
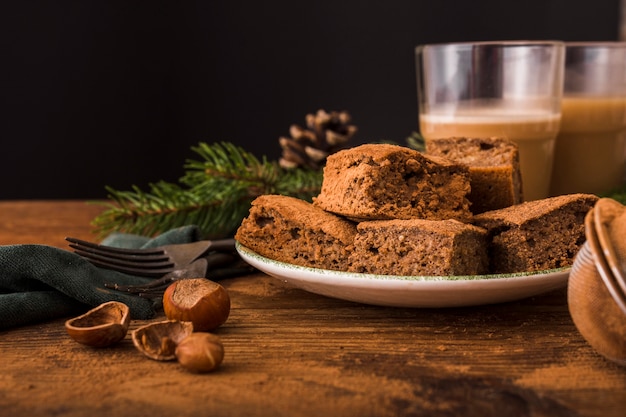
[
  {"x": 595, "y": 312},
  {"x": 610, "y": 229}
]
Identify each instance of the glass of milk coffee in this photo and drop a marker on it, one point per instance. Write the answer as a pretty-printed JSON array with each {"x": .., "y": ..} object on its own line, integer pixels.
[
  {"x": 508, "y": 89},
  {"x": 590, "y": 147}
]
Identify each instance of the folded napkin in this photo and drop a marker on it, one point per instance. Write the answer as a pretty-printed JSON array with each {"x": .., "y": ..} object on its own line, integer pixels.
[{"x": 39, "y": 282}]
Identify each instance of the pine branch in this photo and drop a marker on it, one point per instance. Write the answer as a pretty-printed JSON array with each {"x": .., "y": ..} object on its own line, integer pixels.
[{"x": 215, "y": 194}]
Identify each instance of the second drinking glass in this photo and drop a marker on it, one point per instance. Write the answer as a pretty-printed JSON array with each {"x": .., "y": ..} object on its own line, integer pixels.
[{"x": 589, "y": 155}]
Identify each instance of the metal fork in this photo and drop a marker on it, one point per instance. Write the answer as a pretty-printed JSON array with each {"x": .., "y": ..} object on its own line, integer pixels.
[
  {"x": 211, "y": 267},
  {"x": 153, "y": 262}
]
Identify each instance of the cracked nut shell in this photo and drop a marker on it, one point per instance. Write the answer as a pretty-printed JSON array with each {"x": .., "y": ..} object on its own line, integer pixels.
[
  {"x": 101, "y": 326},
  {"x": 158, "y": 340}
]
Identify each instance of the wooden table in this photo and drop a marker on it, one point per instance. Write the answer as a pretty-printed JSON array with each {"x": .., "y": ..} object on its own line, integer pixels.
[{"x": 292, "y": 353}]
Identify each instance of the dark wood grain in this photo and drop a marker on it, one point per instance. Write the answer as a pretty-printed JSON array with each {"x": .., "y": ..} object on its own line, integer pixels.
[{"x": 292, "y": 353}]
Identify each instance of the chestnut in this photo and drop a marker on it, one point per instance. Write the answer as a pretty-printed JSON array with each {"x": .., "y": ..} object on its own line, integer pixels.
[
  {"x": 201, "y": 301},
  {"x": 200, "y": 352}
]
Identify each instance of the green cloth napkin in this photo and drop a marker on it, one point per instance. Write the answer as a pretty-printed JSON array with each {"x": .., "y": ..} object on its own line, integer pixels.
[{"x": 39, "y": 282}]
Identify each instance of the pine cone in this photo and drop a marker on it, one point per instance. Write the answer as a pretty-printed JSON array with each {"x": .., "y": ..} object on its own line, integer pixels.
[{"x": 325, "y": 134}]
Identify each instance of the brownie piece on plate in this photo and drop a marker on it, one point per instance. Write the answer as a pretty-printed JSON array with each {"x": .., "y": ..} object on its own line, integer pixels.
[
  {"x": 294, "y": 231},
  {"x": 536, "y": 235},
  {"x": 382, "y": 182},
  {"x": 495, "y": 175},
  {"x": 419, "y": 247}
]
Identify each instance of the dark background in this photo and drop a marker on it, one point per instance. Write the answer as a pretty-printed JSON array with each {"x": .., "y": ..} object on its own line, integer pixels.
[{"x": 96, "y": 93}]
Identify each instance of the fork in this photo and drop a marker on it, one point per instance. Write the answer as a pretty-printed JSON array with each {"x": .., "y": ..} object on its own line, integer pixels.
[
  {"x": 215, "y": 266},
  {"x": 151, "y": 262}
]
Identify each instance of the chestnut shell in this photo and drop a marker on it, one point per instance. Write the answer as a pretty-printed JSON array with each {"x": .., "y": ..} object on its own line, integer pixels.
[
  {"x": 101, "y": 326},
  {"x": 159, "y": 340}
]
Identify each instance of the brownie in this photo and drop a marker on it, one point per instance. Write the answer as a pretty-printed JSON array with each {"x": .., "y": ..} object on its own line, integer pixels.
[
  {"x": 536, "y": 235},
  {"x": 419, "y": 247},
  {"x": 495, "y": 176},
  {"x": 291, "y": 230},
  {"x": 383, "y": 181}
]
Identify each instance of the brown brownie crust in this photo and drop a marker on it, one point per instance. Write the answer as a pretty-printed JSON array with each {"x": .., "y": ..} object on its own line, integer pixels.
[
  {"x": 495, "y": 175},
  {"x": 536, "y": 235},
  {"x": 291, "y": 230},
  {"x": 419, "y": 247},
  {"x": 381, "y": 182}
]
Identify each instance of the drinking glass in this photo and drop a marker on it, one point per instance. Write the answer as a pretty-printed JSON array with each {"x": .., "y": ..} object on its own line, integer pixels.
[
  {"x": 590, "y": 147},
  {"x": 508, "y": 89}
]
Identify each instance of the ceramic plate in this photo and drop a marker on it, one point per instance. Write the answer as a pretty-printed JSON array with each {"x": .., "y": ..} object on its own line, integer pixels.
[{"x": 410, "y": 291}]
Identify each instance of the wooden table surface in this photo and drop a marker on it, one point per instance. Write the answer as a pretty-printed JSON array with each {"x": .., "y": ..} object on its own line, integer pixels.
[{"x": 292, "y": 353}]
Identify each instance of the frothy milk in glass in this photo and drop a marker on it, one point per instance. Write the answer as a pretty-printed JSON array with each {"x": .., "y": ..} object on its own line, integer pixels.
[
  {"x": 496, "y": 89},
  {"x": 534, "y": 133}
]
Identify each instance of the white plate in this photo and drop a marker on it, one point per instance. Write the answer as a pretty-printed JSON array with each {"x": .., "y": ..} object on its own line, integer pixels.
[{"x": 410, "y": 291}]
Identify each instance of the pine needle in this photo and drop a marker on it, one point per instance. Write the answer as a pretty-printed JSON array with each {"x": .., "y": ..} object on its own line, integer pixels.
[{"x": 215, "y": 194}]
